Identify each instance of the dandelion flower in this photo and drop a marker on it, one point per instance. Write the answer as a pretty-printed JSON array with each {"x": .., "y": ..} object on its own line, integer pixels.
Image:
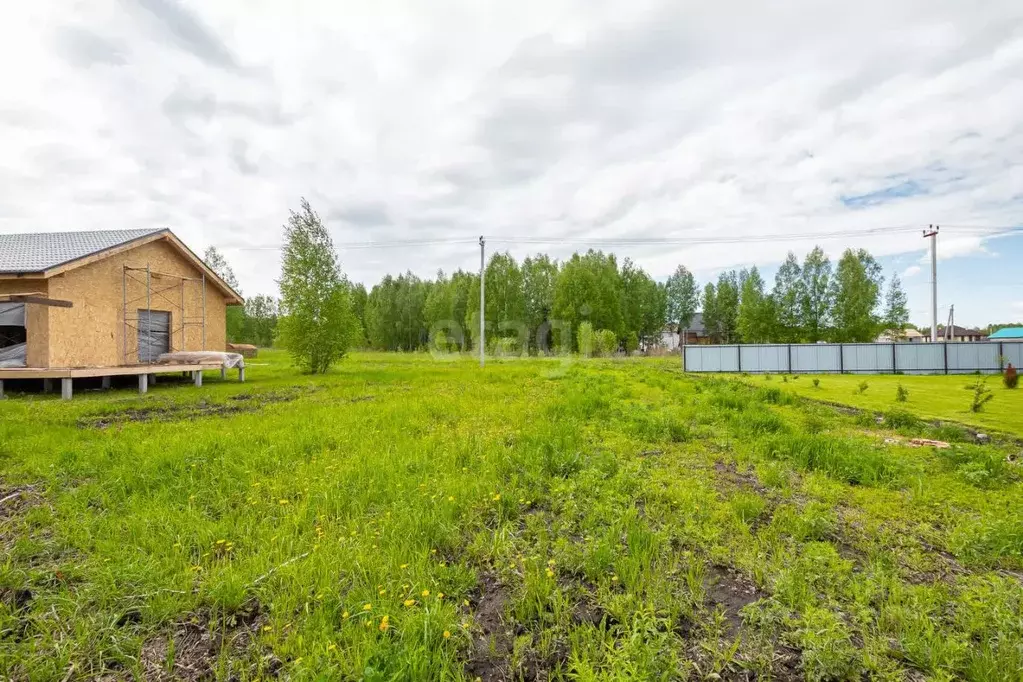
[
  {"x": 403, "y": 566},
  {"x": 282, "y": 502},
  {"x": 465, "y": 602},
  {"x": 382, "y": 592},
  {"x": 410, "y": 602},
  {"x": 440, "y": 595},
  {"x": 367, "y": 607},
  {"x": 345, "y": 614},
  {"x": 451, "y": 498},
  {"x": 550, "y": 573},
  {"x": 497, "y": 497},
  {"x": 384, "y": 624},
  {"x": 426, "y": 593},
  {"x": 447, "y": 635}
]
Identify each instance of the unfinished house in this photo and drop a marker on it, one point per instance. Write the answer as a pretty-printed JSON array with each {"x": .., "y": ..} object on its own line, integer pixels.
[{"x": 108, "y": 303}]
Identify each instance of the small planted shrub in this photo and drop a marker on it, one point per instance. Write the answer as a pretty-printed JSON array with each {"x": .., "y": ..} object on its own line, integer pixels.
[
  {"x": 784, "y": 379},
  {"x": 981, "y": 396},
  {"x": 605, "y": 343},
  {"x": 862, "y": 387},
  {"x": 901, "y": 394},
  {"x": 1010, "y": 378},
  {"x": 816, "y": 382}
]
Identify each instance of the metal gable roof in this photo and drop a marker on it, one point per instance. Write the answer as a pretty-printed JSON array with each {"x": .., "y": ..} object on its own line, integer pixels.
[
  {"x": 23, "y": 253},
  {"x": 1008, "y": 333}
]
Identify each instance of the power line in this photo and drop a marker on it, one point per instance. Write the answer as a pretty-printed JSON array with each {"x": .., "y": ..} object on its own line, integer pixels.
[{"x": 693, "y": 240}]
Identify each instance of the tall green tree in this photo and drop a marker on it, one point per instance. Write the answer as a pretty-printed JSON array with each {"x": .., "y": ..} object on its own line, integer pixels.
[
  {"x": 815, "y": 296},
  {"x": 642, "y": 303},
  {"x": 856, "y": 297},
  {"x": 682, "y": 298},
  {"x": 711, "y": 318},
  {"x": 505, "y": 301},
  {"x": 588, "y": 288},
  {"x": 787, "y": 297},
  {"x": 896, "y": 308},
  {"x": 756, "y": 310},
  {"x": 235, "y": 317},
  {"x": 359, "y": 300},
  {"x": 539, "y": 276},
  {"x": 261, "y": 320},
  {"x": 317, "y": 324},
  {"x": 727, "y": 303}
]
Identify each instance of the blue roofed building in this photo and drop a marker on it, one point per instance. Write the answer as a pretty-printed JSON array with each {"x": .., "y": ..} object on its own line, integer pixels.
[{"x": 1007, "y": 334}]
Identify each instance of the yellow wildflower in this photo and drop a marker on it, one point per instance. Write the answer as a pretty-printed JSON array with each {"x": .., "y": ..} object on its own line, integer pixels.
[
  {"x": 447, "y": 635},
  {"x": 367, "y": 607},
  {"x": 384, "y": 624},
  {"x": 345, "y": 614},
  {"x": 282, "y": 502},
  {"x": 426, "y": 593},
  {"x": 440, "y": 595},
  {"x": 550, "y": 573},
  {"x": 410, "y": 602}
]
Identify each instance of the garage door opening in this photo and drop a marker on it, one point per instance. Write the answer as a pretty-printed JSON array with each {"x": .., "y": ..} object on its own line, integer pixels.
[{"x": 154, "y": 335}]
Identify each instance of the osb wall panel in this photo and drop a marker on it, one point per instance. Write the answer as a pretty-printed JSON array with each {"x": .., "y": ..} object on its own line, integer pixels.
[
  {"x": 37, "y": 327},
  {"x": 92, "y": 333}
]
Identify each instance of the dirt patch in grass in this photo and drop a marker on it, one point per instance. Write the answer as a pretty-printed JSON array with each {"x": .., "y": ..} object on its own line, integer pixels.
[
  {"x": 730, "y": 474},
  {"x": 237, "y": 404},
  {"x": 494, "y": 640},
  {"x": 193, "y": 650},
  {"x": 15, "y": 499},
  {"x": 731, "y": 591}
]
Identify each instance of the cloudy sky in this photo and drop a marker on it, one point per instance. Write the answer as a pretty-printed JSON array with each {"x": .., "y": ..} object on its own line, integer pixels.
[{"x": 572, "y": 121}]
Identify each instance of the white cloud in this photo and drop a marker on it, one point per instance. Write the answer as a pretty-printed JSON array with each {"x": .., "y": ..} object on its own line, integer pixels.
[
  {"x": 911, "y": 271},
  {"x": 571, "y": 119}
]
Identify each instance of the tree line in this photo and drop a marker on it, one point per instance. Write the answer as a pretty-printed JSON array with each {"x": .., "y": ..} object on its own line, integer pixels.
[{"x": 590, "y": 300}]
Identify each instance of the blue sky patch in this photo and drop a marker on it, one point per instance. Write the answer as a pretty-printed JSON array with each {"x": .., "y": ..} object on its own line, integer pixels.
[{"x": 909, "y": 188}]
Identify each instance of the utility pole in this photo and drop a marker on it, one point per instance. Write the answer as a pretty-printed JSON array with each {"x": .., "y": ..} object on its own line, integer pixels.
[
  {"x": 483, "y": 299},
  {"x": 932, "y": 234}
]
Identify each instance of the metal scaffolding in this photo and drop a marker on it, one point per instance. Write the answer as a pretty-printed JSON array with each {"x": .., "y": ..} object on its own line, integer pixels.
[{"x": 165, "y": 293}]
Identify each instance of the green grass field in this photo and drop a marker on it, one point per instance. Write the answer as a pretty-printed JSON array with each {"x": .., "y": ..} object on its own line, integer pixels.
[
  {"x": 942, "y": 397},
  {"x": 410, "y": 519}
]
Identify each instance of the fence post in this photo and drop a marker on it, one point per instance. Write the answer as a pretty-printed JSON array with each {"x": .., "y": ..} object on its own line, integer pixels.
[
  {"x": 1001, "y": 356},
  {"x": 945, "y": 347},
  {"x": 895, "y": 369},
  {"x": 841, "y": 358},
  {"x": 738, "y": 357},
  {"x": 790, "y": 358}
]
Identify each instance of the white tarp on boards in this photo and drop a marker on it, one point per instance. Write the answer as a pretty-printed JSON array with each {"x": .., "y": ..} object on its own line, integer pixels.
[
  {"x": 226, "y": 360},
  {"x": 13, "y": 356}
]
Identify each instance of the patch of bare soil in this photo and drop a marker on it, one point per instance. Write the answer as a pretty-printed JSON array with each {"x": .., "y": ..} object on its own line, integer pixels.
[
  {"x": 15, "y": 499},
  {"x": 731, "y": 591},
  {"x": 243, "y": 402},
  {"x": 192, "y": 649},
  {"x": 730, "y": 474},
  {"x": 495, "y": 640}
]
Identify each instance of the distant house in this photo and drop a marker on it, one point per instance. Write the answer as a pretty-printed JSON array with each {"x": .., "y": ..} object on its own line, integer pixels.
[
  {"x": 1007, "y": 334},
  {"x": 696, "y": 333},
  {"x": 961, "y": 334},
  {"x": 905, "y": 336}
]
